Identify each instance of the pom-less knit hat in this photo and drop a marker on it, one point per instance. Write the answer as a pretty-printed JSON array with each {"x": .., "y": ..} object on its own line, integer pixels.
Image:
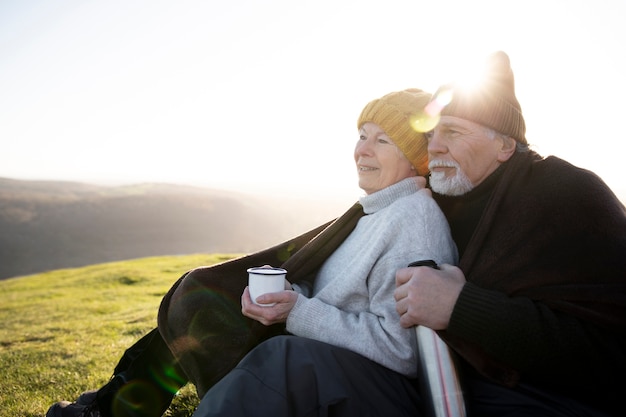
[
  {"x": 394, "y": 112},
  {"x": 493, "y": 103}
]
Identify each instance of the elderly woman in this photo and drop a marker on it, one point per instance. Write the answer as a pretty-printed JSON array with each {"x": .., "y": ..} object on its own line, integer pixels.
[
  {"x": 351, "y": 304},
  {"x": 340, "y": 293}
]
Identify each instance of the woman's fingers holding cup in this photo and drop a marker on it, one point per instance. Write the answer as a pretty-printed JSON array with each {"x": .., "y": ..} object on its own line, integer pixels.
[{"x": 272, "y": 308}]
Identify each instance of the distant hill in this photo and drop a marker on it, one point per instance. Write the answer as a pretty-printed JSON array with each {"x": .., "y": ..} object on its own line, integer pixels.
[{"x": 47, "y": 225}]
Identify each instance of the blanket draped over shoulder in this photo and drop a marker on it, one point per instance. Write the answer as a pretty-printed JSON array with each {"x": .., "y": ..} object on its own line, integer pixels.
[{"x": 552, "y": 239}]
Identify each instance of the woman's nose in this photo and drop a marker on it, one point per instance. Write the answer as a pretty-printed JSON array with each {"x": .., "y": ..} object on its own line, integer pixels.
[{"x": 364, "y": 147}]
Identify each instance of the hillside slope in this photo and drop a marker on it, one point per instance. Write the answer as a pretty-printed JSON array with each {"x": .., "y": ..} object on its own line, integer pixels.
[{"x": 48, "y": 225}]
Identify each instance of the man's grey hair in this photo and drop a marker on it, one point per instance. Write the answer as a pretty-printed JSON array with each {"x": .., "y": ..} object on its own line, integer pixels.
[{"x": 492, "y": 134}]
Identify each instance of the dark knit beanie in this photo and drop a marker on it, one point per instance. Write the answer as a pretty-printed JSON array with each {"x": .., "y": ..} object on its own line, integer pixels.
[
  {"x": 395, "y": 113},
  {"x": 493, "y": 103}
]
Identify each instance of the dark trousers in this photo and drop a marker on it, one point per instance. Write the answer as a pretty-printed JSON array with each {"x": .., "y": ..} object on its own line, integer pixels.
[{"x": 289, "y": 376}]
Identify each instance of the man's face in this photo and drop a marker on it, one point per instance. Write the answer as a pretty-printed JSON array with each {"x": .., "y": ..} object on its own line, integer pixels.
[{"x": 462, "y": 154}]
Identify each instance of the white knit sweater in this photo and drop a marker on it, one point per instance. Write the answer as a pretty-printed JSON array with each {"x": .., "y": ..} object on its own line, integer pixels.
[{"x": 352, "y": 304}]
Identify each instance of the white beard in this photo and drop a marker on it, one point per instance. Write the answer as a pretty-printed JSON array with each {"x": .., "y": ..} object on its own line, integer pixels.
[{"x": 459, "y": 184}]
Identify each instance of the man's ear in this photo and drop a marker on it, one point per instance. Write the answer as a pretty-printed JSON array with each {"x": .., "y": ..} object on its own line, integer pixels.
[{"x": 508, "y": 148}]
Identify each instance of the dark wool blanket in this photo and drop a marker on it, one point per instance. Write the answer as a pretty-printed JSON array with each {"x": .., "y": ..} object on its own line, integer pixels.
[
  {"x": 546, "y": 271},
  {"x": 200, "y": 317}
]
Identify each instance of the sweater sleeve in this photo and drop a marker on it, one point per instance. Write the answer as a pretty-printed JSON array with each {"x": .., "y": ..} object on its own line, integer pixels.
[{"x": 539, "y": 342}]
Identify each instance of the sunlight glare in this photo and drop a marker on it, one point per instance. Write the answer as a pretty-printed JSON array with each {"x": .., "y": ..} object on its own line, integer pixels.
[
  {"x": 471, "y": 78},
  {"x": 427, "y": 119}
]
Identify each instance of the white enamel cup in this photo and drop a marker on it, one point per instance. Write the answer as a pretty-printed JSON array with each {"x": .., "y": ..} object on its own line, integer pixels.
[{"x": 263, "y": 280}]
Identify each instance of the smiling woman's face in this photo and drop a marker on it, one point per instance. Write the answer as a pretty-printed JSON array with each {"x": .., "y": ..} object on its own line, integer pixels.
[{"x": 379, "y": 162}]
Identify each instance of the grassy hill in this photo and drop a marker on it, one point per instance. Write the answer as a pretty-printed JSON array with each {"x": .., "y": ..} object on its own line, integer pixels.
[{"x": 63, "y": 331}]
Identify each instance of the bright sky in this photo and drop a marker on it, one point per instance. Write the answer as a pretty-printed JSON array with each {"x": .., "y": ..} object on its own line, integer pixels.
[{"x": 243, "y": 94}]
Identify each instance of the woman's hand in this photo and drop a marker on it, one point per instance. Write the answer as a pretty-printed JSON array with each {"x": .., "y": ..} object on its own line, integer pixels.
[{"x": 268, "y": 315}]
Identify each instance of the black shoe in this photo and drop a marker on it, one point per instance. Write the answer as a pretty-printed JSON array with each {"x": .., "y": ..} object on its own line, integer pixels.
[
  {"x": 87, "y": 397},
  {"x": 86, "y": 404},
  {"x": 68, "y": 409}
]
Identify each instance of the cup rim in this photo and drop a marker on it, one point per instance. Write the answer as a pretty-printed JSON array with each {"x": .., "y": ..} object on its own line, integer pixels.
[{"x": 259, "y": 270}]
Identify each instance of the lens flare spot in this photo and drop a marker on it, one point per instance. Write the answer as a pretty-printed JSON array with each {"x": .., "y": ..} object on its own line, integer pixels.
[
  {"x": 137, "y": 398},
  {"x": 441, "y": 100},
  {"x": 168, "y": 379},
  {"x": 423, "y": 122},
  {"x": 427, "y": 119}
]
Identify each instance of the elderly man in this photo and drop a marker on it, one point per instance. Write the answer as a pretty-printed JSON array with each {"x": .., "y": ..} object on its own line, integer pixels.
[
  {"x": 536, "y": 310},
  {"x": 537, "y": 307}
]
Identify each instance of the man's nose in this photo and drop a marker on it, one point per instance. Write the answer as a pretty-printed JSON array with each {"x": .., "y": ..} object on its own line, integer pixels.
[{"x": 435, "y": 143}]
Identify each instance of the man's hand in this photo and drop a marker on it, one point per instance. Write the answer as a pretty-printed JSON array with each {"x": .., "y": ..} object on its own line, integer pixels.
[
  {"x": 426, "y": 296},
  {"x": 268, "y": 315}
]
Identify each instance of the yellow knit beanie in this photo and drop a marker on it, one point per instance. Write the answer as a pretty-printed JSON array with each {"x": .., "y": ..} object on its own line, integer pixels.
[{"x": 394, "y": 113}]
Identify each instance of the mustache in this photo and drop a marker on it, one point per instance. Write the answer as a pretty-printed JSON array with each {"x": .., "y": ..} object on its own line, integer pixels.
[{"x": 436, "y": 163}]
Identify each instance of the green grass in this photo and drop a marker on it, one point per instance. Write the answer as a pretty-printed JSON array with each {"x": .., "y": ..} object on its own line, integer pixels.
[{"x": 62, "y": 332}]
